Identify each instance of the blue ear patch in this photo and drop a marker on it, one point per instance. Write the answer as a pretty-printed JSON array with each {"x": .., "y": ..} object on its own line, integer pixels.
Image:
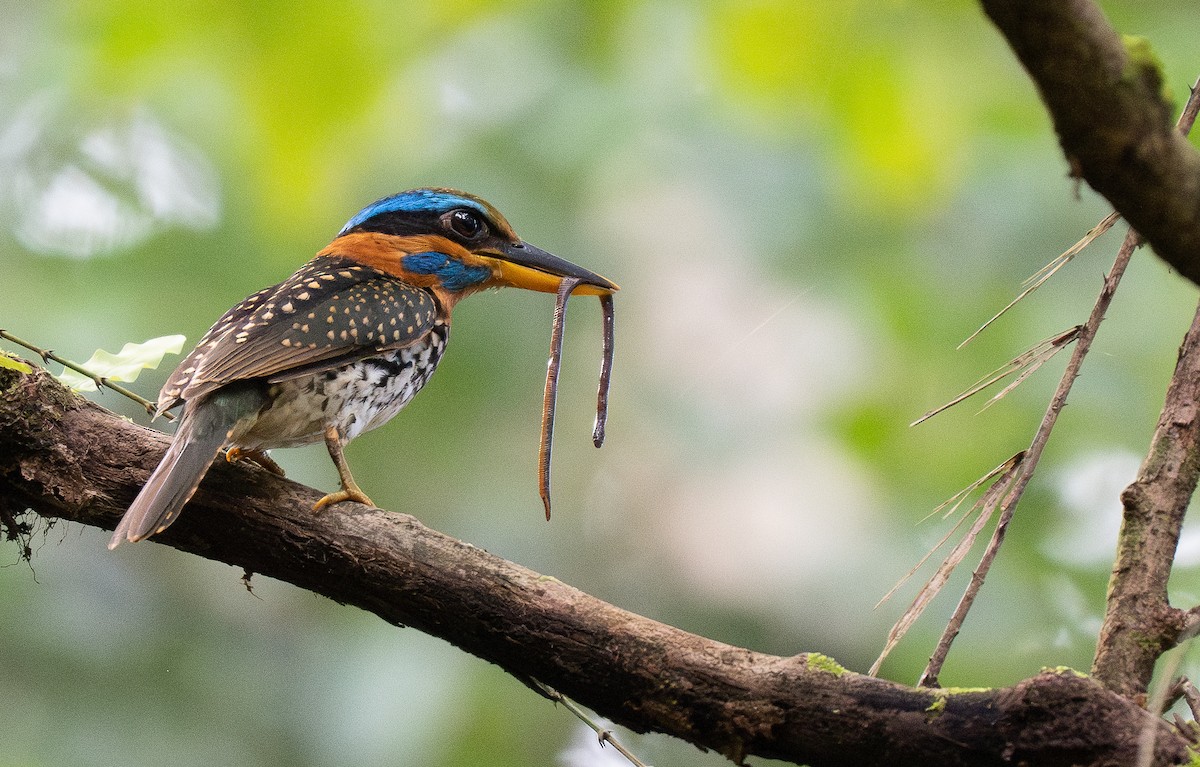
[
  {"x": 452, "y": 273},
  {"x": 414, "y": 201}
]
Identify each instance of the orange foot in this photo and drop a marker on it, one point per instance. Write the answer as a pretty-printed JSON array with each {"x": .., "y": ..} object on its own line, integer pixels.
[{"x": 349, "y": 494}]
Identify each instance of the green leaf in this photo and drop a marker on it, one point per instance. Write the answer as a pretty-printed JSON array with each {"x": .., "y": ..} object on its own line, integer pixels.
[
  {"x": 126, "y": 364},
  {"x": 14, "y": 364}
]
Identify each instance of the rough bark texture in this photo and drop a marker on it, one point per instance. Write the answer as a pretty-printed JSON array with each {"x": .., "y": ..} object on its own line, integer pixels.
[
  {"x": 1140, "y": 624},
  {"x": 1106, "y": 97},
  {"x": 65, "y": 457}
]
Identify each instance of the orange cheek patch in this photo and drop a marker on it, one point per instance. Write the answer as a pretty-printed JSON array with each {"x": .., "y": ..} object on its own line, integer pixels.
[{"x": 386, "y": 252}]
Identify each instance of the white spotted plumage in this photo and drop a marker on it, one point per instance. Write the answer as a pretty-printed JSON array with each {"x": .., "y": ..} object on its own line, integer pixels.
[{"x": 354, "y": 398}]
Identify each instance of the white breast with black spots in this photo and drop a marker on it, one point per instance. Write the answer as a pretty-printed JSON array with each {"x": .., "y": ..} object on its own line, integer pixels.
[{"x": 355, "y": 398}]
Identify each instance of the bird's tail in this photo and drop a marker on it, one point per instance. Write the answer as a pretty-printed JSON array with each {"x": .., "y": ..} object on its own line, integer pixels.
[{"x": 206, "y": 426}]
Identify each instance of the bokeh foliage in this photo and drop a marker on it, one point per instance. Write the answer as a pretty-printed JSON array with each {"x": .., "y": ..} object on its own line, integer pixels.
[{"x": 808, "y": 206}]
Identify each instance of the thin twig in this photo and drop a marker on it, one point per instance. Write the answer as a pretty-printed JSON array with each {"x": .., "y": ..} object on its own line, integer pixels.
[
  {"x": 1191, "y": 109},
  {"x": 1044, "y": 274},
  {"x": 1191, "y": 624},
  {"x": 1183, "y": 688},
  {"x": 1083, "y": 344},
  {"x": 1025, "y": 364},
  {"x": 951, "y": 505},
  {"x": 1191, "y": 695},
  {"x": 987, "y": 504},
  {"x": 1174, "y": 692},
  {"x": 48, "y": 355},
  {"x": 603, "y": 733}
]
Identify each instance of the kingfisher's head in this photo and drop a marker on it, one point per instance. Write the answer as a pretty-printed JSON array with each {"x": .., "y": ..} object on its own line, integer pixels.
[{"x": 454, "y": 243}]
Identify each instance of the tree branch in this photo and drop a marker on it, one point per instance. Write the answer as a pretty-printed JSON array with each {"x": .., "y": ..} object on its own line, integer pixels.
[
  {"x": 65, "y": 457},
  {"x": 1139, "y": 623},
  {"x": 1106, "y": 98}
]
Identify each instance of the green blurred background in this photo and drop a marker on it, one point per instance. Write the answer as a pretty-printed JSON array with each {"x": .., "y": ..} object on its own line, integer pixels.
[{"x": 808, "y": 205}]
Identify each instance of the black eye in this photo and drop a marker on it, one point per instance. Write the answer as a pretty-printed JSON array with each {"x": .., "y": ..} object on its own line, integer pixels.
[{"x": 466, "y": 224}]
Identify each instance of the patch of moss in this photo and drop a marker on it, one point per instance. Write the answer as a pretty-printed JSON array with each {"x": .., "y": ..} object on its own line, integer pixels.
[
  {"x": 942, "y": 694},
  {"x": 818, "y": 662},
  {"x": 1063, "y": 670},
  {"x": 1144, "y": 64},
  {"x": 11, "y": 362}
]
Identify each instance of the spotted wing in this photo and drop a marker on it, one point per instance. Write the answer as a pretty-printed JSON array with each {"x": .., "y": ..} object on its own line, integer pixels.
[{"x": 329, "y": 313}]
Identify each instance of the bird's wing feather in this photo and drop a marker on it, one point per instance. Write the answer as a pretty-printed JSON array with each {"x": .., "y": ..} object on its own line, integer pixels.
[{"x": 331, "y": 312}]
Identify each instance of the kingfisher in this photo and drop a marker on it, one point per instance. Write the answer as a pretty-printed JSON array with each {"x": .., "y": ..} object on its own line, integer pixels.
[{"x": 341, "y": 346}]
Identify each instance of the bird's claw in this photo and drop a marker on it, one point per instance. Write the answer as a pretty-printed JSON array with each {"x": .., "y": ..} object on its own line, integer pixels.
[
  {"x": 353, "y": 494},
  {"x": 257, "y": 457}
]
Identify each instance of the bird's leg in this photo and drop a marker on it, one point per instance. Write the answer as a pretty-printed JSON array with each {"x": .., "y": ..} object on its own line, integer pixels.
[
  {"x": 259, "y": 457},
  {"x": 350, "y": 490}
]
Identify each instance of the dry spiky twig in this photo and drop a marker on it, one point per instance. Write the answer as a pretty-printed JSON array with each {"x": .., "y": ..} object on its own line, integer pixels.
[
  {"x": 987, "y": 504},
  {"x": 1043, "y": 275},
  {"x": 1024, "y": 365},
  {"x": 1087, "y": 333}
]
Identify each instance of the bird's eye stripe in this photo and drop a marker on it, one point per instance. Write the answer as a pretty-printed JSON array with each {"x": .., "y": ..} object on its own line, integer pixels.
[{"x": 413, "y": 201}]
